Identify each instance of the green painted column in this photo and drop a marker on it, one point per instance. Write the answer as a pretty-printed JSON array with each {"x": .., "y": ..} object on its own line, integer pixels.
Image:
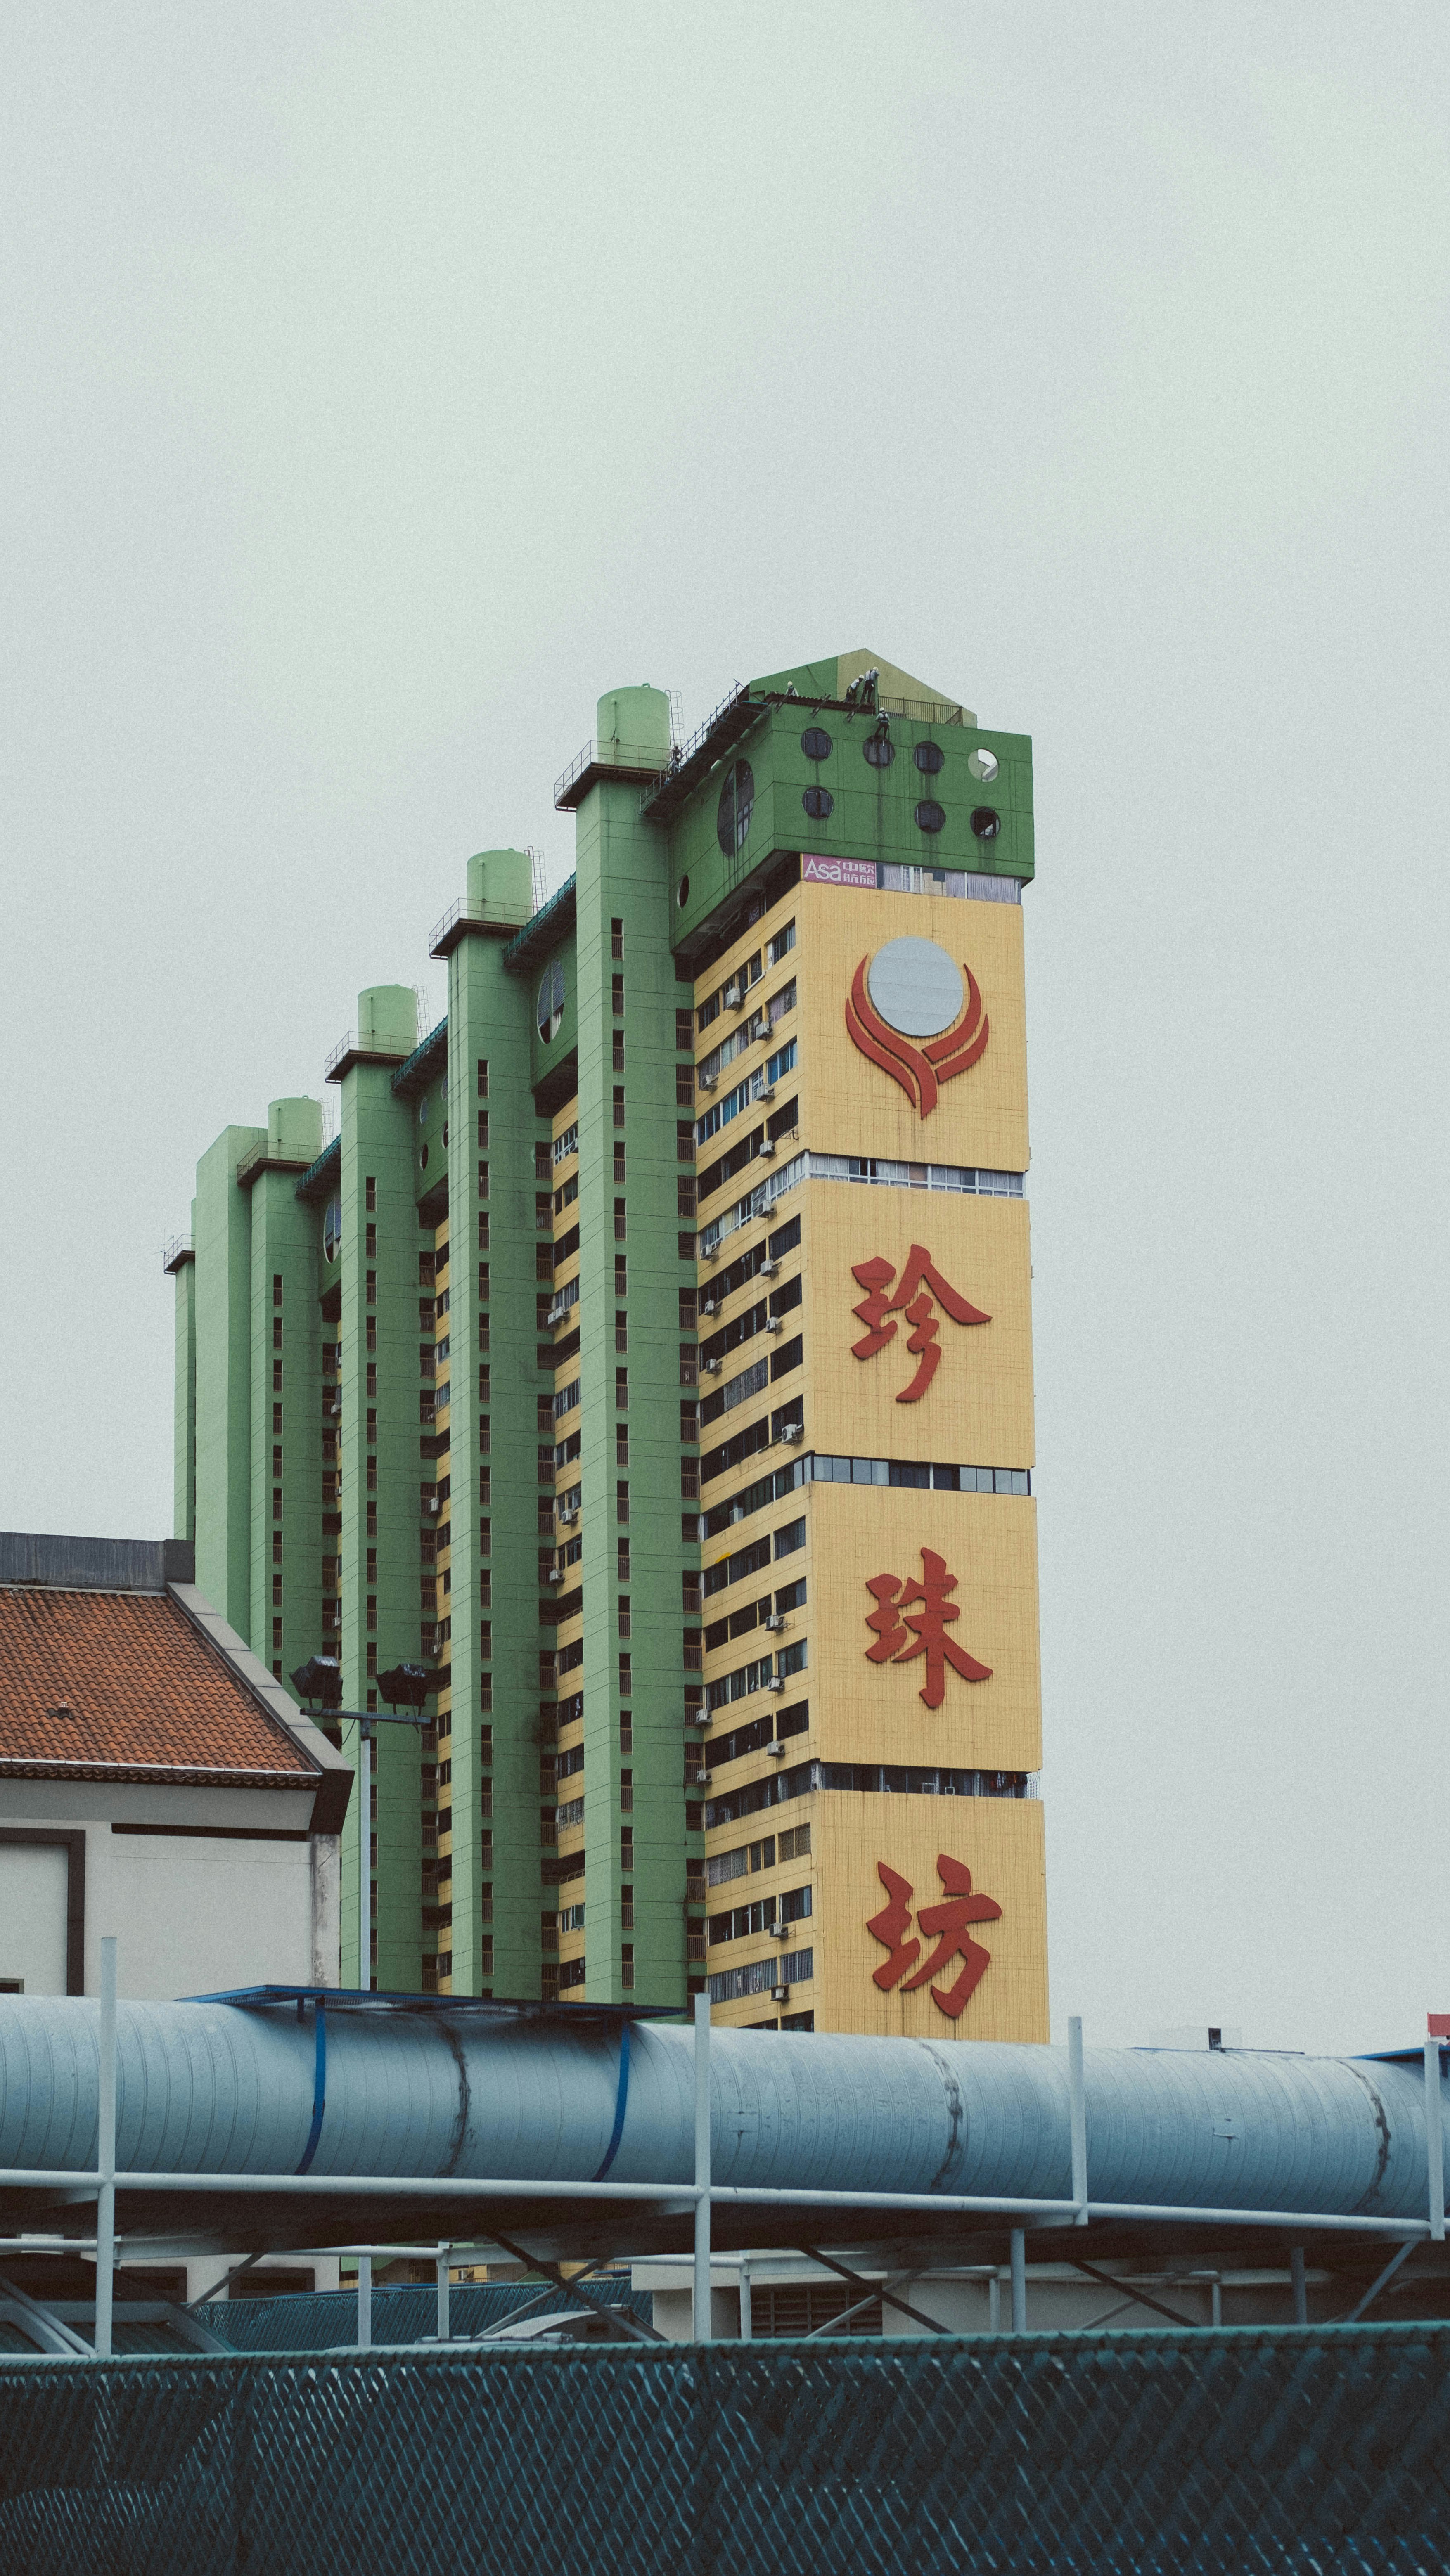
[
  {"x": 379, "y": 1459},
  {"x": 286, "y": 1372},
  {"x": 183, "y": 1513},
  {"x": 633, "y": 1451},
  {"x": 493, "y": 1336},
  {"x": 223, "y": 1239}
]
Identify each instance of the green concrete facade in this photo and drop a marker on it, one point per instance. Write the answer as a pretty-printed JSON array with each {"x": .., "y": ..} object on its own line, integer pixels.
[
  {"x": 366, "y": 1446},
  {"x": 489, "y": 1890}
]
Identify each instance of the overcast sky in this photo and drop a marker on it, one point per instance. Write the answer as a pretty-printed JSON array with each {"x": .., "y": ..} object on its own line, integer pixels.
[{"x": 383, "y": 383}]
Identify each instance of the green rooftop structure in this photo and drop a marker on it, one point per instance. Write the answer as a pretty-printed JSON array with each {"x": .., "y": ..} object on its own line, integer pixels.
[{"x": 461, "y": 1385}]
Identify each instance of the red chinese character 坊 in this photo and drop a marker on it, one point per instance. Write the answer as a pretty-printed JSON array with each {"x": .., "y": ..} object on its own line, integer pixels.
[
  {"x": 946, "y": 1922},
  {"x": 894, "y": 1620},
  {"x": 920, "y": 1282}
]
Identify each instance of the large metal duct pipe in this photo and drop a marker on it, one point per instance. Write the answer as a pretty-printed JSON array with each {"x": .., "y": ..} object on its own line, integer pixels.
[{"x": 212, "y": 2088}]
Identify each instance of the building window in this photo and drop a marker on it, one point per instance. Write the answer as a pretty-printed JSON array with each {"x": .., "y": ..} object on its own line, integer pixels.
[
  {"x": 737, "y": 799},
  {"x": 550, "y": 1005},
  {"x": 729, "y": 1984}
]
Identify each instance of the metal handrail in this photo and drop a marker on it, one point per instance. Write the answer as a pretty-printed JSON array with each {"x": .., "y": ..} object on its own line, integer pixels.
[
  {"x": 615, "y": 755},
  {"x": 351, "y": 1044}
]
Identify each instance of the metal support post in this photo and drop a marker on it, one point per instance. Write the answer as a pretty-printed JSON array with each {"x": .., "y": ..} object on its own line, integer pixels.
[
  {"x": 1077, "y": 2118},
  {"x": 441, "y": 2268},
  {"x": 1435, "y": 2140},
  {"x": 106, "y": 2153},
  {"x": 364, "y": 2303},
  {"x": 365, "y": 1858},
  {"x": 1215, "y": 2291},
  {"x": 994, "y": 2304},
  {"x": 700, "y": 2312},
  {"x": 1019, "y": 2281},
  {"x": 1296, "y": 2281},
  {"x": 747, "y": 2315}
]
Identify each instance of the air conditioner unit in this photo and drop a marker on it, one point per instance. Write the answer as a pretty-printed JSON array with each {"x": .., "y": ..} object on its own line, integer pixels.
[
  {"x": 766, "y": 1092},
  {"x": 775, "y": 1622},
  {"x": 778, "y": 1931},
  {"x": 776, "y": 1751},
  {"x": 790, "y": 1433},
  {"x": 707, "y": 1082},
  {"x": 337, "y": 1413},
  {"x": 710, "y": 1306},
  {"x": 710, "y": 1367},
  {"x": 696, "y": 1779},
  {"x": 765, "y": 1148},
  {"x": 734, "y": 997},
  {"x": 767, "y": 1269},
  {"x": 772, "y": 1323},
  {"x": 780, "y": 1994},
  {"x": 569, "y": 1513},
  {"x": 554, "y": 1575},
  {"x": 709, "y": 1251},
  {"x": 775, "y": 1682}
]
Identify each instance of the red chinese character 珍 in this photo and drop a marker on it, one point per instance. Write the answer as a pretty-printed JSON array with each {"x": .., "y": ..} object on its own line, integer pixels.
[
  {"x": 920, "y": 1282},
  {"x": 946, "y": 1923},
  {"x": 894, "y": 1618}
]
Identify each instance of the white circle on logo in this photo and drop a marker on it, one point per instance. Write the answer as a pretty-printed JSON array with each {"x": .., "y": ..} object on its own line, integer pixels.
[{"x": 915, "y": 987}]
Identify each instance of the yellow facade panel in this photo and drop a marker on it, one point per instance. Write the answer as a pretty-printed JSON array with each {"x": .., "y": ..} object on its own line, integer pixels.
[
  {"x": 866, "y": 1708},
  {"x": 850, "y": 1104},
  {"x": 932, "y": 1847},
  {"x": 965, "y": 1394}
]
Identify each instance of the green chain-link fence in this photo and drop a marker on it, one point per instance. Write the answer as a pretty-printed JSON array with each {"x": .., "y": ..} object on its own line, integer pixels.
[{"x": 1163, "y": 2454}]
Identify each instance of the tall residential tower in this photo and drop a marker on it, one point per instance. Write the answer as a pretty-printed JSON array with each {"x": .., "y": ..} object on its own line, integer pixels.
[{"x": 650, "y": 1353}]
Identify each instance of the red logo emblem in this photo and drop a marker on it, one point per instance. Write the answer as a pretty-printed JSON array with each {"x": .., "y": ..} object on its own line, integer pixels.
[
  {"x": 920, "y": 1283},
  {"x": 903, "y": 1632},
  {"x": 909, "y": 1013},
  {"x": 945, "y": 1923}
]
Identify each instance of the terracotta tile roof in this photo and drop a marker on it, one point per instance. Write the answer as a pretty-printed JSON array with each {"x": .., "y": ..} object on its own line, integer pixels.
[{"x": 120, "y": 1685}]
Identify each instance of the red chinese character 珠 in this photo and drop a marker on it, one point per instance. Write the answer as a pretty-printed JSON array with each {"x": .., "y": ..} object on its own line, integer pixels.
[
  {"x": 920, "y": 1282},
  {"x": 902, "y": 1632},
  {"x": 946, "y": 1923}
]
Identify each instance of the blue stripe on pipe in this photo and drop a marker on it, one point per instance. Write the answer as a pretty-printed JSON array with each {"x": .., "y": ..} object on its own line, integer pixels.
[
  {"x": 621, "y": 2101},
  {"x": 319, "y": 2087}
]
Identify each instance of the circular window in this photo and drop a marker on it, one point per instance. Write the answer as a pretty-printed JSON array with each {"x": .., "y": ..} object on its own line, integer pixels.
[
  {"x": 736, "y": 799},
  {"x": 332, "y": 1230},
  {"x": 423, "y": 1158},
  {"x": 818, "y": 802},
  {"x": 423, "y": 1110},
  {"x": 915, "y": 987},
  {"x": 880, "y": 750},
  {"x": 986, "y": 823},
  {"x": 983, "y": 764},
  {"x": 929, "y": 815},
  {"x": 816, "y": 743},
  {"x": 445, "y": 1131},
  {"x": 682, "y": 893},
  {"x": 929, "y": 758},
  {"x": 551, "y": 1001}
]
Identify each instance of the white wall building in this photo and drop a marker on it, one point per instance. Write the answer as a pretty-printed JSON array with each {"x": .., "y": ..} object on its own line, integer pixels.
[{"x": 155, "y": 1783}]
